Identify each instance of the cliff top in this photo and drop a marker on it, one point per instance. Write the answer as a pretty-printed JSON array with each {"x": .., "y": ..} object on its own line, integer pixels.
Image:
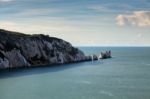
[{"x": 5, "y": 34}]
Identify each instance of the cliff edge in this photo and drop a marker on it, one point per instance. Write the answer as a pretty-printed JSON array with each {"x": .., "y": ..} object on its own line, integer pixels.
[{"x": 22, "y": 50}]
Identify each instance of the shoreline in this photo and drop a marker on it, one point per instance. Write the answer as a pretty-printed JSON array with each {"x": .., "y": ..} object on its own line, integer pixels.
[{"x": 47, "y": 65}]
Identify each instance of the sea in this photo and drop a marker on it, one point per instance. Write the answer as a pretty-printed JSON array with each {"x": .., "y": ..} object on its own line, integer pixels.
[{"x": 124, "y": 76}]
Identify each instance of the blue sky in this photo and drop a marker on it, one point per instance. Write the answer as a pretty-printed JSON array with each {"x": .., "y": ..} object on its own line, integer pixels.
[{"x": 81, "y": 22}]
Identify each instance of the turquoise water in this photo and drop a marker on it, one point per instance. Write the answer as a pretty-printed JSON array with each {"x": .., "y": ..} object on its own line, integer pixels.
[{"x": 125, "y": 76}]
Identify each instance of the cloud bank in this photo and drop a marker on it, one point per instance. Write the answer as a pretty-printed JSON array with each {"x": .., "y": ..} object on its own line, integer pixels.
[{"x": 137, "y": 18}]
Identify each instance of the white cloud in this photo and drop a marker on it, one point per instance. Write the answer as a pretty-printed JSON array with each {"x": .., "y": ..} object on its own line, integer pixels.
[
  {"x": 139, "y": 35},
  {"x": 55, "y": 27},
  {"x": 39, "y": 11},
  {"x": 5, "y": 0},
  {"x": 137, "y": 18},
  {"x": 7, "y": 25},
  {"x": 74, "y": 31},
  {"x": 71, "y": 30},
  {"x": 36, "y": 26}
]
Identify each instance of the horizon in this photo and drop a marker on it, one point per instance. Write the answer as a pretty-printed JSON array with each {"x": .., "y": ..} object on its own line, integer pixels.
[{"x": 82, "y": 23}]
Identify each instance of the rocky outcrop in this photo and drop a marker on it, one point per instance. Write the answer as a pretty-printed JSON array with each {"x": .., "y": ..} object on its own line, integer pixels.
[
  {"x": 20, "y": 50},
  {"x": 105, "y": 55}
]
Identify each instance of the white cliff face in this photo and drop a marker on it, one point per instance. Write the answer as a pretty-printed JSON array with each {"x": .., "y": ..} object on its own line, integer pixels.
[
  {"x": 19, "y": 50},
  {"x": 4, "y": 63},
  {"x": 15, "y": 59},
  {"x": 30, "y": 48},
  {"x": 80, "y": 56}
]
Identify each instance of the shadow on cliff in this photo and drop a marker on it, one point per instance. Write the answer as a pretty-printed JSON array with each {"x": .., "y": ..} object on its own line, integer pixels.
[{"x": 40, "y": 70}]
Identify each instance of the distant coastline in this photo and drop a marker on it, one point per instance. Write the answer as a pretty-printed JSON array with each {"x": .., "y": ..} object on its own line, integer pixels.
[{"x": 19, "y": 50}]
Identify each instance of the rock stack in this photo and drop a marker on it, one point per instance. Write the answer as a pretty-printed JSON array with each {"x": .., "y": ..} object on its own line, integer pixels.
[{"x": 105, "y": 55}]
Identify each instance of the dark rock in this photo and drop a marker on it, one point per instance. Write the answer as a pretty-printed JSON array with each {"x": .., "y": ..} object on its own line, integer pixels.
[{"x": 105, "y": 55}]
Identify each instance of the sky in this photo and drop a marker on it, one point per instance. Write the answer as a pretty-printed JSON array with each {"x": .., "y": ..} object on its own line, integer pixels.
[{"x": 81, "y": 22}]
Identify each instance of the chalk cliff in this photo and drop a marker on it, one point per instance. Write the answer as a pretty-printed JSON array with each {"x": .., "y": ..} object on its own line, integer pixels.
[{"x": 21, "y": 50}]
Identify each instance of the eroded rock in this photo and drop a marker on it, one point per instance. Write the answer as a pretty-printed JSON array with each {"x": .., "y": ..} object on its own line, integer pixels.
[{"x": 20, "y": 50}]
